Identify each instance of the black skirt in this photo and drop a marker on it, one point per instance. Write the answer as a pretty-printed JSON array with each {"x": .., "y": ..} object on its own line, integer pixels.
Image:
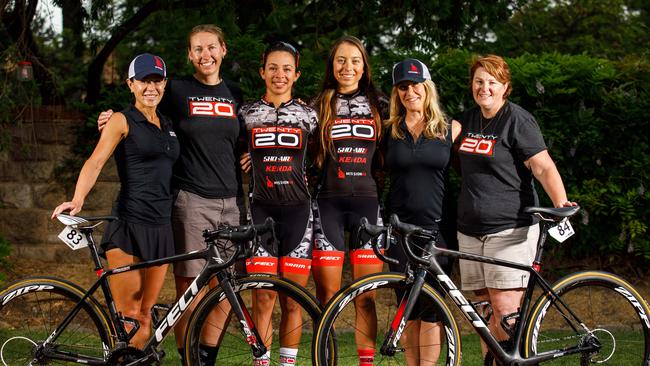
[{"x": 146, "y": 242}]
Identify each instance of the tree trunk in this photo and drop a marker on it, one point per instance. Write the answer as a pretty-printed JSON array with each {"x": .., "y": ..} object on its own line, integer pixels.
[
  {"x": 96, "y": 67},
  {"x": 73, "y": 21}
]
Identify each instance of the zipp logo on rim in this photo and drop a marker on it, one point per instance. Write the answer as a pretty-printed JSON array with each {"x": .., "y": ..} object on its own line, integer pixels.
[
  {"x": 244, "y": 286},
  {"x": 24, "y": 290},
  {"x": 359, "y": 291},
  {"x": 633, "y": 300}
]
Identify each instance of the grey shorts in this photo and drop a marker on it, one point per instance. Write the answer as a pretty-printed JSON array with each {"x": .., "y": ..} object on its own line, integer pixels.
[
  {"x": 191, "y": 214},
  {"x": 515, "y": 245}
]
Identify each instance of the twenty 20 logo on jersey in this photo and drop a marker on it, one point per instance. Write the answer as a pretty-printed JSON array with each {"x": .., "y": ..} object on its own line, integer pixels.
[
  {"x": 345, "y": 128},
  {"x": 212, "y": 109},
  {"x": 478, "y": 145},
  {"x": 284, "y": 137}
]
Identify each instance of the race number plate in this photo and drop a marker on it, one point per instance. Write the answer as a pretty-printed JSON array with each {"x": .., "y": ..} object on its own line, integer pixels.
[
  {"x": 73, "y": 238},
  {"x": 562, "y": 231}
]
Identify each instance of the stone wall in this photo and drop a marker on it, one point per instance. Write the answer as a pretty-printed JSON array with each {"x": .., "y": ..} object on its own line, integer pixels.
[{"x": 40, "y": 142}]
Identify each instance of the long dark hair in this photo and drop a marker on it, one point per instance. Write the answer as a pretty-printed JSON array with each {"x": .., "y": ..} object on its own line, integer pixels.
[{"x": 326, "y": 103}]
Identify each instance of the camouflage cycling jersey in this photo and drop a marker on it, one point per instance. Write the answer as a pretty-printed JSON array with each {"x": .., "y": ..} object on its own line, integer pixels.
[{"x": 277, "y": 140}]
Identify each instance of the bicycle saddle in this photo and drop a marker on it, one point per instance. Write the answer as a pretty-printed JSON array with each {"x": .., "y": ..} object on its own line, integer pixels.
[{"x": 560, "y": 212}]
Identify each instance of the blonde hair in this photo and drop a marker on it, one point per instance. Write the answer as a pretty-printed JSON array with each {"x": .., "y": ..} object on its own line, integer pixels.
[
  {"x": 207, "y": 28},
  {"x": 436, "y": 125}
]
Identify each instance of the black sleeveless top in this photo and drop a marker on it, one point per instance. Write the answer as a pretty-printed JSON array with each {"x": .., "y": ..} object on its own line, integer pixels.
[{"x": 144, "y": 163}]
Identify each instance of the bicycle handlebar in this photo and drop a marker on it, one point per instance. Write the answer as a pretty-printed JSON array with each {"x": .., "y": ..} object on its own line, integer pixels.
[
  {"x": 407, "y": 230},
  {"x": 375, "y": 231},
  {"x": 239, "y": 235}
]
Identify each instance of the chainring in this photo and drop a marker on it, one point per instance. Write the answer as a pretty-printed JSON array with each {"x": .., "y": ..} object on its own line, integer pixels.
[{"x": 124, "y": 356}]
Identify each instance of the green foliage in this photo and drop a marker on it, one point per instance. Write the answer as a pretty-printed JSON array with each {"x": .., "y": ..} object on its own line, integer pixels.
[
  {"x": 5, "y": 250},
  {"x": 611, "y": 29}
]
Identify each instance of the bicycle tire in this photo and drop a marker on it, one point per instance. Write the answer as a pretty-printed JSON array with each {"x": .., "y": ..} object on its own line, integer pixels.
[
  {"x": 339, "y": 315},
  {"x": 30, "y": 309},
  {"x": 233, "y": 348},
  {"x": 607, "y": 305}
]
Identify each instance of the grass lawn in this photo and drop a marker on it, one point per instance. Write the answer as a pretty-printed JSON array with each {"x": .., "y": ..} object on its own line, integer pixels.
[{"x": 470, "y": 351}]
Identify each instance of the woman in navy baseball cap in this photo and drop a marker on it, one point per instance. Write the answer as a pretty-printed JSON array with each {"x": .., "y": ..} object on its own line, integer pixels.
[
  {"x": 418, "y": 146},
  {"x": 145, "y": 149}
]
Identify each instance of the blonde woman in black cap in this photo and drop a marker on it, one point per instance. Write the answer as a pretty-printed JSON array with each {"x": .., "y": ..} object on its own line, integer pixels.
[
  {"x": 418, "y": 145},
  {"x": 145, "y": 149}
]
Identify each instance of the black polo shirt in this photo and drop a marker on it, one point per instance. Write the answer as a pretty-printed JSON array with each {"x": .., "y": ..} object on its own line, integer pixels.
[{"x": 417, "y": 171}]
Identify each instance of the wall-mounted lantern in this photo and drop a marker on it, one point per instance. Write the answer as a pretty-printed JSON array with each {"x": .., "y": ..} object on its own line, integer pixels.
[{"x": 25, "y": 71}]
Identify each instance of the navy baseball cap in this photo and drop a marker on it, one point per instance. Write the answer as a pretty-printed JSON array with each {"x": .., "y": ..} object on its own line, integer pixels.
[
  {"x": 410, "y": 70},
  {"x": 147, "y": 64}
]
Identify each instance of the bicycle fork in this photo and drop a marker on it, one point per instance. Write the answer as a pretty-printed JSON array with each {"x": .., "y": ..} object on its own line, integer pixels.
[
  {"x": 394, "y": 333},
  {"x": 245, "y": 321}
]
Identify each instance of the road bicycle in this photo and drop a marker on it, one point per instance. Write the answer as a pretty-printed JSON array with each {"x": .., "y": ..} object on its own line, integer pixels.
[
  {"x": 587, "y": 317},
  {"x": 48, "y": 320}
]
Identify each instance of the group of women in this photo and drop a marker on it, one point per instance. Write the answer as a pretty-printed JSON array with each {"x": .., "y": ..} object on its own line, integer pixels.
[{"x": 354, "y": 135}]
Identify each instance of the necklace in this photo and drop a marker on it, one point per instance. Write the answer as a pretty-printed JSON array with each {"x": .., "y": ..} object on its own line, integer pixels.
[
  {"x": 416, "y": 129},
  {"x": 489, "y": 120}
]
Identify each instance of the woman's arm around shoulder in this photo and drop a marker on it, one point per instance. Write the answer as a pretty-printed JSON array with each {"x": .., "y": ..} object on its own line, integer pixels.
[{"x": 115, "y": 130}]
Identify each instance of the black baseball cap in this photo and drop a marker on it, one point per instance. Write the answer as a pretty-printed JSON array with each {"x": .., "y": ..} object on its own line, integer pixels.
[{"x": 410, "y": 70}]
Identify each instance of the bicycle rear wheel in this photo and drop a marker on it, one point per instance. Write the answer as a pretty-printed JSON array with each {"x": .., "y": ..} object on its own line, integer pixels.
[
  {"x": 608, "y": 306},
  {"x": 233, "y": 346},
  {"x": 439, "y": 342},
  {"x": 31, "y": 309}
]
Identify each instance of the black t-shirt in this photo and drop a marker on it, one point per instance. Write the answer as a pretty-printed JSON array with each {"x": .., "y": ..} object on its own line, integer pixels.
[
  {"x": 417, "y": 171},
  {"x": 278, "y": 140},
  {"x": 144, "y": 162},
  {"x": 205, "y": 120},
  {"x": 496, "y": 185},
  {"x": 354, "y": 136}
]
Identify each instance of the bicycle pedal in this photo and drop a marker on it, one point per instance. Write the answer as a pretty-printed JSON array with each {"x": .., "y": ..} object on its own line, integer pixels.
[
  {"x": 484, "y": 310},
  {"x": 156, "y": 311}
]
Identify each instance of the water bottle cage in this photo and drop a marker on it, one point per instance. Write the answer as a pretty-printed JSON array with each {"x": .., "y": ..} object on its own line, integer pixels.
[
  {"x": 510, "y": 328},
  {"x": 125, "y": 320},
  {"x": 158, "y": 313},
  {"x": 484, "y": 310}
]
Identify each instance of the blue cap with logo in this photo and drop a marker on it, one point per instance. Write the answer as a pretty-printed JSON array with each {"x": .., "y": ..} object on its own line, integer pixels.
[
  {"x": 147, "y": 64},
  {"x": 410, "y": 70}
]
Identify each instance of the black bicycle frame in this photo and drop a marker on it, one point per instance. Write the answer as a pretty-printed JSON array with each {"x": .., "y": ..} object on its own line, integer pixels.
[
  {"x": 215, "y": 266},
  {"x": 469, "y": 310}
]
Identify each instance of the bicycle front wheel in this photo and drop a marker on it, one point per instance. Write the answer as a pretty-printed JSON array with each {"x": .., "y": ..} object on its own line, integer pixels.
[
  {"x": 213, "y": 323},
  {"x": 432, "y": 323},
  {"x": 30, "y": 311},
  {"x": 613, "y": 315}
]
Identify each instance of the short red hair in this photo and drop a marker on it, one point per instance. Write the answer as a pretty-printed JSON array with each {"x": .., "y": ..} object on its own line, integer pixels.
[{"x": 495, "y": 66}]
